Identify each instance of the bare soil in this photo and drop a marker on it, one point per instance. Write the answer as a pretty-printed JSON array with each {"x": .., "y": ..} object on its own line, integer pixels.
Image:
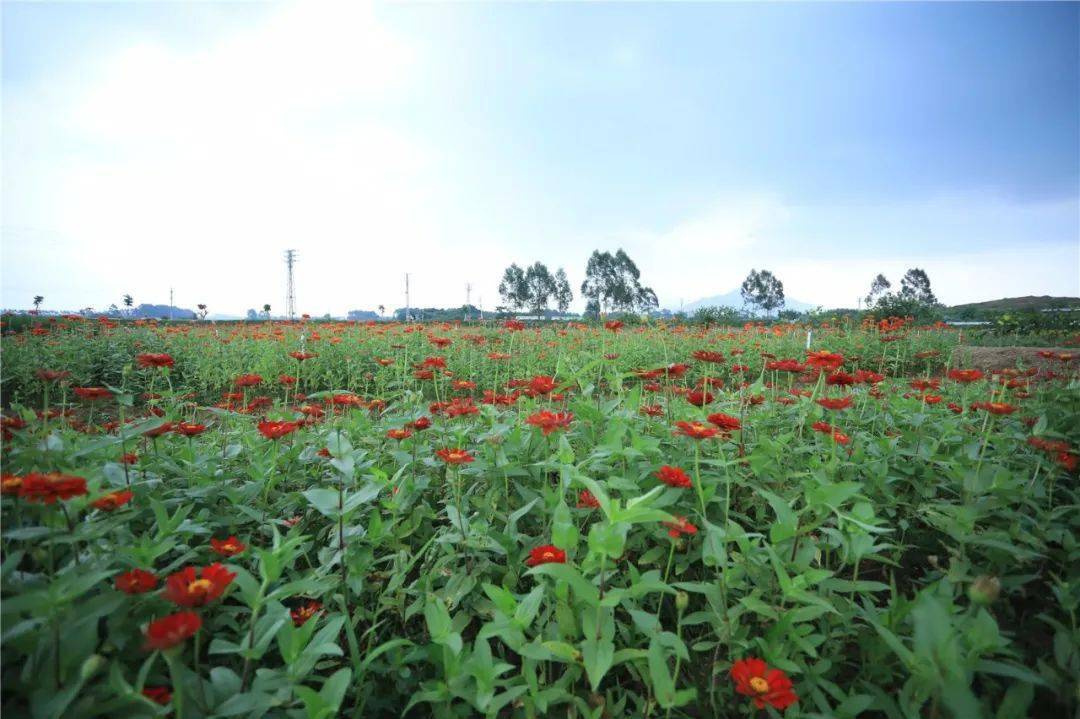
[{"x": 989, "y": 359}]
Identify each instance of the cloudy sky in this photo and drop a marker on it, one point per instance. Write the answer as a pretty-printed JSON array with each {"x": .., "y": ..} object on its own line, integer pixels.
[{"x": 188, "y": 144}]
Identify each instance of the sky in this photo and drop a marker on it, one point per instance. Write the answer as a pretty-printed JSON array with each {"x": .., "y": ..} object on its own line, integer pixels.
[{"x": 187, "y": 145}]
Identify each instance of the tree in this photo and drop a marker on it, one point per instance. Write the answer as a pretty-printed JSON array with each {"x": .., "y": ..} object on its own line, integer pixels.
[
  {"x": 614, "y": 282},
  {"x": 563, "y": 295},
  {"x": 252, "y": 315},
  {"x": 202, "y": 311},
  {"x": 128, "y": 301},
  {"x": 382, "y": 310},
  {"x": 266, "y": 311},
  {"x": 915, "y": 285},
  {"x": 763, "y": 290},
  {"x": 541, "y": 286},
  {"x": 514, "y": 289},
  {"x": 38, "y": 299},
  {"x": 877, "y": 288},
  {"x": 592, "y": 310}
]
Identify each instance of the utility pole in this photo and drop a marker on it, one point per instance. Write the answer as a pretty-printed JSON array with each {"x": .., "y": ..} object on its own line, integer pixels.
[
  {"x": 406, "y": 296},
  {"x": 290, "y": 289},
  {"x": 170, "y": 304},
  {"x": 468, "y": 298}
]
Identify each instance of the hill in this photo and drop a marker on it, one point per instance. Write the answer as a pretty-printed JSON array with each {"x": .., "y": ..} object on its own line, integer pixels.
[
  {"x": 734, "y": 299},
  {"x": 1030, "y": 303}
]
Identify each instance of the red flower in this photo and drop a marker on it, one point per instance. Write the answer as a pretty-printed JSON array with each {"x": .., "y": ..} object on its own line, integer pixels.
[
  {"x": 433, "y": 362},
  {"x": 549, "y": 421},
  {"x": 514, "y": 325},
  {"x": 399, "y": 434},
  {"x": 129, "y": 458},
  {"x": 699, "y": 398},
  {"x": 170, "y": 631},
  {"x": 840, "y": 379},
  {"x": 286, "y": 380},
  {"x": 674, "y": 477},
  {"x": 190, "y": 590},
  {"x": 137, "y": 581},
  {"x": 300, "y": 615},
  {"x": 542, "y": 384},
  {"x": 112, "y": 500},
  {"x": 651, "y": 410},
  {"x": 965, "y": 375},
  {"x": 725, "y": 422},
  {"x": 824, "y": 359},
  {"x": 92, "y": 394},
  {"x": 753, "y": 678},
  {"x": 695, "y": 430},
  {"x": 190, "y": 429},
  {"x": 420, "y": 424},
  {"x": 922, "y": 385},
  {"x": 998, "y": 408},
  {"x": 954, "y": 408},
  {"x": 586, "y": 500},
  {"x": 784, "y": 365},
  {"x": 1068, "y": 460},
  {"x": 154, "y": 360},
  {"x": 707, "y": 356},
  {"x": 276, "y": 430},
  {"x": 47, "y": 488},
  {"x": 51, "y": 375},
  {"x": 680, "y": 527},
  {"x": 835, "y": 402},
  {"x": 864, "y": 376},
  {"x": 227, "y": 547},
  {"x": 454, "y": 456},
  {"x": 613, "y": 325},
  {"x": 301, "y": 356},
  {"x": 546, "y": 554},
  {"x": 160, "y": 430},
  {"x": 159, "y": 695},
  {"x": 11, "y": 483},
  {"x": 823, "y": 427},
  {"x": 676, "y": 370},
  {"x": 248, "y": 380}
]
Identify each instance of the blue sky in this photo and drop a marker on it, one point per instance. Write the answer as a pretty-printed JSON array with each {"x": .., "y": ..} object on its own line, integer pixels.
[{"x": 186, "y": 145}]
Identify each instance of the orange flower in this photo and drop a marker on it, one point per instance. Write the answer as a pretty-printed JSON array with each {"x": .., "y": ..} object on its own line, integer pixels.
[
  {"x": 112, "y": 500},
  {"x": 546, "y": 554},
  {"x": 965, "y": 375},
  {"x": 188, "y": 589},
  {"x": 399, "y": 434},
  {"x": 454, "y": 456},
  {"x": 300, "y": 615},
  {"x": 190, "y": 429},
  {"x": 170, "y": 631},
  {"x": 753, "y": 678},
  {"x": 47, "y": 488},
  {"x": 680, "y": 527},
  {"x": 696, "y": 430},
  {"x": 548, "y": 421},
  {"x": 227, "y": 547}
]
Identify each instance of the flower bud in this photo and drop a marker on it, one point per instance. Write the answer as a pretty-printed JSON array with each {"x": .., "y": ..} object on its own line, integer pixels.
[
  {"x": 984, "y": 590},
  {"x": 91, "y": 666},
  {"x": 682, "y": 601}
]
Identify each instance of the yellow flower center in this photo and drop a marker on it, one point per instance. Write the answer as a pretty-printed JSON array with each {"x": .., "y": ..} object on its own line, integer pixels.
[
  {"x": 759, "y": 685},
  {"x": 200, "y": 586}
]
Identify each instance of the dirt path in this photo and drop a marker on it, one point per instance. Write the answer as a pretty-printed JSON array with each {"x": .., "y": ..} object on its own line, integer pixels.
[{"x": 995, "y": 358}]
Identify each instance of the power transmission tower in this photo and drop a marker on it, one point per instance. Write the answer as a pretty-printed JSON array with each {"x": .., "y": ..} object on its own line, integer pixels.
[
  {"x": 170, "y": 304},
  {"x": 290, "y": 288},
  {"x": 468, "y": 298},
  {"x": 406, "y": 296}
]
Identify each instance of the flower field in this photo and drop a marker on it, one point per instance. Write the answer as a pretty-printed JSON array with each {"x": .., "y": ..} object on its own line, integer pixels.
[{"x": 339, "y": 519}]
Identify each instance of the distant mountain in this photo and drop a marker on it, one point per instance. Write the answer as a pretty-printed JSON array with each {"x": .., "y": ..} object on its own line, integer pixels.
[
  {"x": 734, "y": 299},
  {"x": 1029, "y": 303},
  {"x": 160, "y": 311}
]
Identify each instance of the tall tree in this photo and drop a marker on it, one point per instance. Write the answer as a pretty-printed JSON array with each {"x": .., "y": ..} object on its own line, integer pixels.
[
  {"x": 252, "y": 315},
  {"x": 763, "y": 290},
  {"x": 614, "y": 282},
  {"x": 877, "y": 288},
  {"x": 38, "y": 299},
  {"x": 128, "y": 301},
  {"x": 563, "y": 294},
  {"x": 266, "y": 311},
  {"x": 202, "y": 311},
  {"x": 915, "y": 285},
  {"x": 541, "y": 287},
  {"x": 514, "y": 289}
]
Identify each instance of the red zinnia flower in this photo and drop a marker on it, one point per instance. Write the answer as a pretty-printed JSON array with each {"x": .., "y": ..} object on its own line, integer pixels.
[
  {"x": 301, "y": 356},
  {"x": 158, "y": 695},
  {"x": 454, "y": 456},
  {"x": 300, "y": 615},
  {"x": 420, "y": 424},
  {"x": 865, "y": 376},
  {"x": 695, "y": 430},
  {"x": 286, "y": 379},
  {"x": 840, "y": 379},
  {"x": 248, "y": 380},
  {"x": 824, "y": 359},
  {"x": 137, "y": 581},
  {"x": 546, "y": 554},
  {"x": 823, "y": 427},
  {"x": 784, "y": 365},
  {"x": 835, "y": 402},
  {"x": 674, "y": 477},
  {"x": 168, "y": 632},
  {"x": 753, "y": 678},
  {"x": 154, "y": 360},
  {"x": 699, "y": 398},
  {"x": 725, "y": 422},
  {"x": 613, "y": 325},
  {"x": 47, "y": 488},
  {"x": 190, "y": 429},
  {"x": 51, "y": 375},
  {"x": 129, "y": 458},
  {"x": 549, "y": 421},
  {"x": 586, "y": 500},
  {"x": 276, "y": 430},
  {"x": 965, "y": 375},
  {"x": 651, "y": 410},
  {"x": 112, "y": 500},
  {"x": 676, "y": 370},
  {"x": 227, "y": 547},
  {"x": 680, "y": 527},
  {"x": 190, "y": 590},
  {"x": 92, "y": 394},
  {"x": 542, "y": 384},
  {"x": 399, "y": 434},
  {"x": 707, "y": 356}
]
